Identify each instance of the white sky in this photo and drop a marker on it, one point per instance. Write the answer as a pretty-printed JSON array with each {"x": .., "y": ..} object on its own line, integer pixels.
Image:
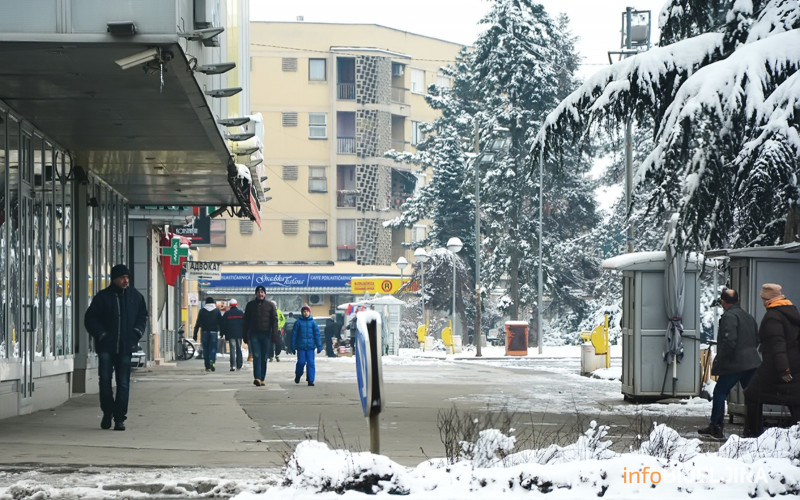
[{"x": 596, "y": 22}]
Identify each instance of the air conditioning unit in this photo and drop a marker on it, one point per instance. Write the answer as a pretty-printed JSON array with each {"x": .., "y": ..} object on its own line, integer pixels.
[{"x": 316, "y": 299}]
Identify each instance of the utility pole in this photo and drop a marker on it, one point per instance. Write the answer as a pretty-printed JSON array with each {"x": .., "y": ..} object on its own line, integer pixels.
[
  {"x": 478, "y": 336},
  {"x": 628, "y": 141}
]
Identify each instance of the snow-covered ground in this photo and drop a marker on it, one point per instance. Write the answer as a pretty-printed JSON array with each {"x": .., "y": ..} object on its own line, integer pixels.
[{"x": 666, "y": 465}]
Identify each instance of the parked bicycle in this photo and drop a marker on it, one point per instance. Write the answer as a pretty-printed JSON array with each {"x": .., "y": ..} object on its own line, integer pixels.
[{"x": 184, "y": 348}]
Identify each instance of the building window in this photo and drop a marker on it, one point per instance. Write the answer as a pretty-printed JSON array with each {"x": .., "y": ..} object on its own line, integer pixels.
[
  {"x": 346, "y": 240},
  {"x": 443, "y": 81},
  {"x": 217, "y": 230},
  {"x": 317, "y": 70},
  {"x": 289, "y": 119},
  {"x": 289, "y": 226},
  {"x": 317, "y": 181},
  {"x": 245, "y": 226},
  {"x": 317, "y": 125},
  {"x": 290, "y": 172},
  {"x": 317, "y": 233},
  {"x": 417, "y": 136},
  {"x": 417, "y": 81},
  {"x": 289, "y": 64},
  {"x": 417, "y": 234}
]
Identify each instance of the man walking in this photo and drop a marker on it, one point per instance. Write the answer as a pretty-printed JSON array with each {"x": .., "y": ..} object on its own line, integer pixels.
[
  {"x": 777, "y": 379},
  {"x": 736, "y": 360},
  {"x": 232, "y": 323},
  {"x": 116, "y": 320},
  {"x": 260, "y": 326},
  {"x": 209, "y": 321},
  {"x": 332, "y": 331}
]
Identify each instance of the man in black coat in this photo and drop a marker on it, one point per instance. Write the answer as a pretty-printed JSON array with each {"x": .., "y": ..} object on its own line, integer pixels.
[
  {"x": 332, "y": 330},
  {"x": 777, "y": 379},
  {"x": 259, "y": 331},
  {"x": 116, "y": 320},
  {"x": 232, "y": 323},
  {"x": 736, "y": 360}
]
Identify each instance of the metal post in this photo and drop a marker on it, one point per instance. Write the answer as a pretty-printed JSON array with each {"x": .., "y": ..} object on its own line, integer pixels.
[
  {"x": 374, "y": 433},
  {"x": 478, "y": 335},
  {"x": 539, "y": 273},
  {"x": 453, "y": 326},
  {"x": 424, "y": 318},
  {"x": 628, "y": 142}
]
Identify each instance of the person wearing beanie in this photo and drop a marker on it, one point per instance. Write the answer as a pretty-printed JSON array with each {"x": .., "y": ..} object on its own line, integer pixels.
[
  {"x": 305, "y": 339},
  {"x": 209, "y": 321},
  {"x": 777, "y": 379},
  {"x": 259, "y": 329},
  {"x": 231, "y": 329},
  {"x": 116, "y": 321},
  {"x": 736, "y": 360}
]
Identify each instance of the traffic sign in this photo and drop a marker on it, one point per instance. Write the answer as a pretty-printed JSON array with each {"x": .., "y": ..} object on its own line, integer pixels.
[{"x": 368, "y": 364}]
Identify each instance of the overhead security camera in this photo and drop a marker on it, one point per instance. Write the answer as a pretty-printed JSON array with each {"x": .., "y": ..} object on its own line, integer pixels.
[{"x": 138, "y": 58}]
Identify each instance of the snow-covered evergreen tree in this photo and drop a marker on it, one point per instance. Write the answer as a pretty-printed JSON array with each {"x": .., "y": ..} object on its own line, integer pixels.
[{"x": 722, "y": 91}]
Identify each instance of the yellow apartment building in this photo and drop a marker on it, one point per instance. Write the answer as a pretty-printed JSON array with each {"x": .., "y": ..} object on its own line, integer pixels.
[{"x": 333, "y": 99}]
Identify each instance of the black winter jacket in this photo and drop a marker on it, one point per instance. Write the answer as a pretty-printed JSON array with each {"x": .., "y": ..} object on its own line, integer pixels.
[
  {"x": 780, "y": 345},
  {"x": 209, "y": 320},
  {"x": 232, "y": 323},
  {"x": 116, "y": 319},
  {"x": 260, "y": 316},
  {"x": 737, "y": 343}
]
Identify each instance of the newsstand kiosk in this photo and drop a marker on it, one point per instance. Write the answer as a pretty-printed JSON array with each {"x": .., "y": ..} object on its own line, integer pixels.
[{"x": 646, "y": 375}]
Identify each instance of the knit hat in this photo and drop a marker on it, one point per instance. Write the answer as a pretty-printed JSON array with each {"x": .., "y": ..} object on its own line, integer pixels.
[
  {"x": 305, "y": 308},
  {"x": 771, "y": 291},
  {"x": 261, "y": 287},
  {"x": 119, "y": 270},
  {"x": 210, "y": 300},
  {"x": 233, "y": 302}
]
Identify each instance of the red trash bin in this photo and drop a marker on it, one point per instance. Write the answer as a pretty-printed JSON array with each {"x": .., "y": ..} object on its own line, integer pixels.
[{"x": 516, "y": 338}]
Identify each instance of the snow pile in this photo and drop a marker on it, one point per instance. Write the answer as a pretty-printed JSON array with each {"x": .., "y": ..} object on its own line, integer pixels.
[{"x": 665, "y": 466}]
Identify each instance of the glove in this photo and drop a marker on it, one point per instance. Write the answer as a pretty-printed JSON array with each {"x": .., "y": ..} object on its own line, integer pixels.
[{"x": 319, "y": 350}]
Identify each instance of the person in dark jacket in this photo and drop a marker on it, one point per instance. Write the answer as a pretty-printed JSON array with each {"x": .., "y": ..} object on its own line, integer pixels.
[
  {"x": 332, "y": 331},
  {"x": 232, "y": 324},
  {"x": 736, "y": 360},
  {"x": 116, "y": 320},
  {"x": 777, "y": 379},
  {"x": 210, "y": 322},
  {"x": 259, "y": 330},
  {"x": 305, "y": 339}
]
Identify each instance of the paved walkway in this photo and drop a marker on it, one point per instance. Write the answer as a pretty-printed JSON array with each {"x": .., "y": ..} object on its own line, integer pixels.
[{"x": 179, "y": 415}]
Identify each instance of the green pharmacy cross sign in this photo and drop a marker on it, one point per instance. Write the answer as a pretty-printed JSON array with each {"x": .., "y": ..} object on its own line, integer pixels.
[{"x": 174, "y": 251}]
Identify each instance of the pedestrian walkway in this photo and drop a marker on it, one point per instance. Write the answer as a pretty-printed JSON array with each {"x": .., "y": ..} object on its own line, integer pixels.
[{"x": 180, "y": 415}]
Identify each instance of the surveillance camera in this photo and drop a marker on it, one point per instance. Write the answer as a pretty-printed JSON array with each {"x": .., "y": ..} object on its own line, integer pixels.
[{"x": 137, "y": 59}]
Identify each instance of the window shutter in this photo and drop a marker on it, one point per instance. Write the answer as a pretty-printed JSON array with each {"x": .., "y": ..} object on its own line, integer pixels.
[
  {"x": 289, "y": 119},
  {"x": 245, "y": 226},
  {"x": 289, "y": 64},
  {"x": 290, "y": 172},
  {"x": 290, "y": 227}
]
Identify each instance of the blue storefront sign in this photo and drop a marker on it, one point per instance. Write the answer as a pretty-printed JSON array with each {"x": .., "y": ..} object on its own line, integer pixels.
[{"x": 278, "y": 281}]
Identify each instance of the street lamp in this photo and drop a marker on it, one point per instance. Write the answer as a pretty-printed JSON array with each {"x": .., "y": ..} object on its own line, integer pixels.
[
  {"x": 455, "y": 245},
  {"x": 422, "y": 256},
  {"x": 501, "y": 142},
  {"x": 401, "y": 264}
]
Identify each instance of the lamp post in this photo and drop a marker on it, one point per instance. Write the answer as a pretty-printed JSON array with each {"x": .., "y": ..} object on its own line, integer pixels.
[
  {"x": 499, "y": 144},
  {"x": 422, "y": 256},
  {"x": 455, "y": 245},
  {"x": 401, "y": 264}
]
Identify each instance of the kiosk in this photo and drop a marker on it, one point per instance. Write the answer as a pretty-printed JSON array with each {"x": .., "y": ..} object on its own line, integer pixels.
[{"x": 646, "y": 375}]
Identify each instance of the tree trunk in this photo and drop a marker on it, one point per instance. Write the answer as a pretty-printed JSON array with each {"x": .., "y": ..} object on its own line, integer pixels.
[{"x": 792, "y": 232}]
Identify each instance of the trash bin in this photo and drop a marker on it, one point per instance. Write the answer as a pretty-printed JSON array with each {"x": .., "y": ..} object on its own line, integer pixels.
[
  {"x": 516, "y": 338},
  {"x": 590, "y": 360}
]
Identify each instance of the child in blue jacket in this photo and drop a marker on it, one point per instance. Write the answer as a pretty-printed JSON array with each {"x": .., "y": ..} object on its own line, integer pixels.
[{"x": 305, "y": 339}]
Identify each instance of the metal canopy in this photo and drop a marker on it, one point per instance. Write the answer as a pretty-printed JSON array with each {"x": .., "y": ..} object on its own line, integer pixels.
[{"x": 156, "y": 146}]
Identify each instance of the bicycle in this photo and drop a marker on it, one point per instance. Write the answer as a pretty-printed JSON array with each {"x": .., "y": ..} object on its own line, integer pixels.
[{"x": 184, "y": 348}]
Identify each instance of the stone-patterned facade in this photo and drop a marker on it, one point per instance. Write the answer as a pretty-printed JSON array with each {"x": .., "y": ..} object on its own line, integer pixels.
[{"x": 373, "y": 181}]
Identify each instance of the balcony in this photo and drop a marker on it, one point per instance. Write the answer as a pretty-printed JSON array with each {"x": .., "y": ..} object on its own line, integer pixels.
[
  {"x": 346, "y": 198},
  {"x": 346, "y": 145},
  {"x": 346, "y": 91},
  {"x": 399, "y": 145},
  {"x": 399, "y": 95}
]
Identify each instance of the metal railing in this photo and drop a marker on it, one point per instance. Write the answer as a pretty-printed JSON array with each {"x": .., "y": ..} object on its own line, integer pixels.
[
  {"x": 346, "y": 91},
  {"x": 346, "y": 145},
  {"x": 346, "y": 198}
]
